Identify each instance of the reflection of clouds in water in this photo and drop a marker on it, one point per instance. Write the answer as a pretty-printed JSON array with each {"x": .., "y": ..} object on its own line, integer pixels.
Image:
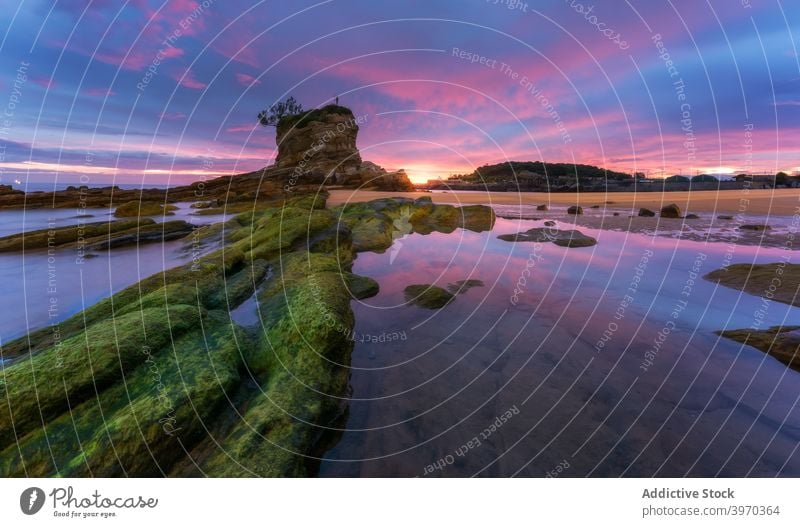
[{"x": 416, "y": 400}]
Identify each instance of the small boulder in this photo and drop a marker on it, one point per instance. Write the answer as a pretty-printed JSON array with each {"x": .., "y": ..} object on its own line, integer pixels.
[
  {"x": 575, "y": 209},
  {"x": 724, "y": 217},
  {"x": 569, "y": 239},
  {"x": 671, "y": 211},
  {"x": 362, "y": 287},
  {"x": 757, "y": 228},
  {"x": 647, "y": 213},
  {"x": 691, "y": 217},
  {"x": 542, "y": 207}
]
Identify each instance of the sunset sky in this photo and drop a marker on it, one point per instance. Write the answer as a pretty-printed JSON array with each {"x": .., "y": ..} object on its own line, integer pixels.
[{"x": 164, "y": 93}]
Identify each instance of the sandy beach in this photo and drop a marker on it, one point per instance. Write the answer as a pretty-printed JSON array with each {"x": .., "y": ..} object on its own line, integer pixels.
[{"x": 780, "y": 202}]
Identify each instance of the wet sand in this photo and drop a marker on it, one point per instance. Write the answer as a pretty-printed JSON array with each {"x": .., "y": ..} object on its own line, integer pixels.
[{"x": 780, "y": 202}]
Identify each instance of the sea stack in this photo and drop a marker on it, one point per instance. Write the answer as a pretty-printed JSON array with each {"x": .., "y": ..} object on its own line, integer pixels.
[{"x": 318, "y": 147}]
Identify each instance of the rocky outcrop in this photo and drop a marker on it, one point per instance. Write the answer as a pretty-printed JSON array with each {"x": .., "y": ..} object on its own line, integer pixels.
[
  {"x": 646, "y": 213},
  {"x": 97, "y": 236},
  {"x": 219, "y": 379},
  {"x": 781, "y": 342},
  {"x": 320, "y": 143},
  {"x": 759, "y": 279},
  {"x": 318, "y": 147},
  {"x": 314, "y": 148}
]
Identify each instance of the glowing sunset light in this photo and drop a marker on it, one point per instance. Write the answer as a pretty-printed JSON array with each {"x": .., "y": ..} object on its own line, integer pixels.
[{"x": 439, "y": 95}]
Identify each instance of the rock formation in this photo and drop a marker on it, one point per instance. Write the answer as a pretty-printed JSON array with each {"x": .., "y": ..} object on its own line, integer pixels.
[
  {"x": 318, "y": 147},
  {"x": 646, "y": 213},
  {"x": 315, "y": 148},
  {"x": 320, "y": 143},
  {"x": 671, "y": 211}
]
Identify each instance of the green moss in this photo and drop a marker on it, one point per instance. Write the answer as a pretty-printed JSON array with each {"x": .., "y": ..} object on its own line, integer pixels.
[
  {"x": 301, "y": 363},
  {"x": 571, "y": 238},
  {"x": 141, "y": 425},
  {"x": 70, "y": 235},
  {"x": 51, "y": 381},
  {"x": 362, "y": 287},
  {"x": 761, "y": 279},
  {"x": 781, "y": 342},
  {"x": 132, "y": 209},
  {"x": 376, "y": 224},
  {"x": 478, "y": 218},
  {"x": 301, "y": 120},
  {"x": 93, "y": 395},
  {"x": 282, "y": 231}
]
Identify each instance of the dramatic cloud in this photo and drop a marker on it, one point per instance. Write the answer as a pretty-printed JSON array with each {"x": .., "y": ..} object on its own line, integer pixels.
[{"x": 665, "y": 88}]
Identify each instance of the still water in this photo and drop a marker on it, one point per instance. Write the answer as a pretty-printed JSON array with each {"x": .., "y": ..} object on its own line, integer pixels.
[
  {"x": 594, "y": 361},
  {"x": 38, "y": 291}
]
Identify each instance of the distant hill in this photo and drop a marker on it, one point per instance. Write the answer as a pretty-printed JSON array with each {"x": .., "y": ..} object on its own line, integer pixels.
[
  {"x": 536, "y": 175},
  {"x": 506, "y": 171}
]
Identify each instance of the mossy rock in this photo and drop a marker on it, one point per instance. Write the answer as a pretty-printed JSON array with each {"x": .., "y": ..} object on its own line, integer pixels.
[
  {"x": 362, "y": 287},
  {"x": 781, "y": 342},
  {"x": 301, "y": 363},
  {"x": 758, "y": 279},
  {"x": 50, "y": 382},
  {"x": 428, "y": 296},
  {"x": 646, "y": 213},
  {"x": 478, "y": 218},
  {"x": 570, "y": 238},
  {"x": 142, "y": 425},
  {"x": 70, "y": 235},
  {"x": 108, "y": 420},
  {"x": 133, "y": 209},
  {"x": 372, "y": 234},
  {"x": 671, "y": 211}
]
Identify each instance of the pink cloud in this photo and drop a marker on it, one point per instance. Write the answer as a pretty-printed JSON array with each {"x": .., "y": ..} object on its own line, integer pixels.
[
  {"x": 247, "y": 80},
  {"x": 44, "y": 82},
  {"x": 235, "y": 44},
  {"x": 186, "y": 79},
  {"x": 98, "y": 92},
  {"x": 240, "y": 128}
]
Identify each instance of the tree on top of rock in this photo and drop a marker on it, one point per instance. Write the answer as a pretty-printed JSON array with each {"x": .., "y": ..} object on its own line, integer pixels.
[{"x": 273, "y": 115}]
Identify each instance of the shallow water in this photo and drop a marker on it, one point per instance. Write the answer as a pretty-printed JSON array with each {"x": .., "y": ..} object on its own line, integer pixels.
[
  {"x": 554, "y": 378},
  {"x": 45, "y": 291},
  {"x": 13, "y": 221}
]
